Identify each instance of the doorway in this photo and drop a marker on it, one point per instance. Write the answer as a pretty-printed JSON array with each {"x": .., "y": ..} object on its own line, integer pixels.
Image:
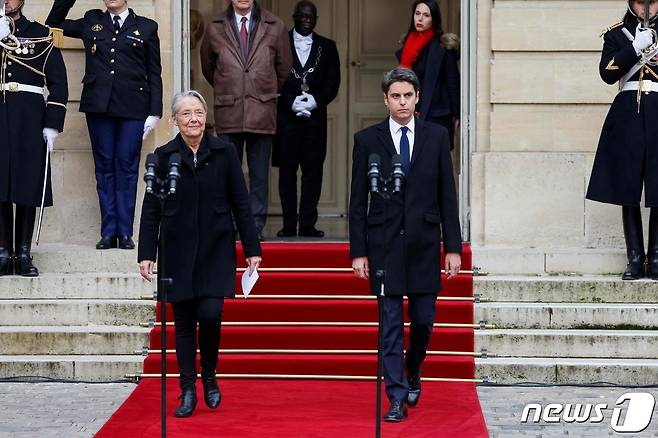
[{"x": 367, "y": 34}]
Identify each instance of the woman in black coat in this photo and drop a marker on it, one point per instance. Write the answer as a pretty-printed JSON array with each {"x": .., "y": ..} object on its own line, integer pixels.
[
  {"x": 433, "y": 55},
  {"x": 627, "y": 154},
  {"x": 200, "y": 243}
]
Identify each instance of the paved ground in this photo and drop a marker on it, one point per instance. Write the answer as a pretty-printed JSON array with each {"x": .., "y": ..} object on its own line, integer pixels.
[{"x": 46, "y": 410}]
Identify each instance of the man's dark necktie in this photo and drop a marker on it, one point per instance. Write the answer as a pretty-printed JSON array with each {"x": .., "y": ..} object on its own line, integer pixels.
[
  {"x": 117, "y": 25},
  {"x": 404, "y": 150},
  {"x": 243, "y": 36}
]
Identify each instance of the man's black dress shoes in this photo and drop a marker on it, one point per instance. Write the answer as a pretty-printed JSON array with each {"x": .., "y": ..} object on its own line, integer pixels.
[
  {"x": 397, "y": 412},
  {"x": 107, "y": 243},
  {"x": 287, "y": 232},
  {"x": 634, "y": 270},
  {"x": 24, "y": 266},
  {"x": 187, "y": 403},
  {"x": 310, "y": 232},
  {"x": 211, "y": 393},
  {"x": 6, "y": 262},
  {"x": 126, "y": 242},
  {"x": 414, "y": 390}
]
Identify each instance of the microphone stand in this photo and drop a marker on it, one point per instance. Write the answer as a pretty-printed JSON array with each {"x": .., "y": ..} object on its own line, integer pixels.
[
  {"x": 163, "y": 283},
  {"x": 386, "y": 193}
]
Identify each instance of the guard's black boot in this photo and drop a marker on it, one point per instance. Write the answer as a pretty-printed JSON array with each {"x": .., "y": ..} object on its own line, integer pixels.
[
  {"x": 632, "y": 219},
  {"x": 187, "y": 403},
  {"x": 25, "y": 217},
  {"x": 211, "y": 393},
  {"x": 6, "y": 238},
  {"x": 652, "y": 250}
]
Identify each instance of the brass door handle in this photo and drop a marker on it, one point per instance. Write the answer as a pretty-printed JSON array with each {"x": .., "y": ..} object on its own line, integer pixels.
[{"x": 357, "y": 64}]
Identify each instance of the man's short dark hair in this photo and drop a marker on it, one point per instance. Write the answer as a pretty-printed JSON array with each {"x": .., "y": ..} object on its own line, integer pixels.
[
  {"x": 400, "y": 74},
  {"x": 303, "y": 3}
]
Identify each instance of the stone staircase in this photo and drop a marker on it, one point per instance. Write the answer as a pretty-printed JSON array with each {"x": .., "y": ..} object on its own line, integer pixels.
[
  {"x": 80, "y": 320},
  {"x": 568, "y": 329}
]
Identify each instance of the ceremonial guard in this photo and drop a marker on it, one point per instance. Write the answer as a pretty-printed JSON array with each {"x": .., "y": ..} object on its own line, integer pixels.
[
  {"x": 301, "y": 139},
  {"x": 122, "y": 100},
  {"x": 627, "y": 155},
  {"x": 29, "y": 124}
]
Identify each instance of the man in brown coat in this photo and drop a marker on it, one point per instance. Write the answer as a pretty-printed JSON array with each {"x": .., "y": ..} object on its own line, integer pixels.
[{"x": 246, "y": 56}]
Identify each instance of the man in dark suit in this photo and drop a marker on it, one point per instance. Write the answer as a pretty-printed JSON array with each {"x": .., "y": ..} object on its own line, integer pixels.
[
  {"x": 403, "y": 238},
  {"x": 122, "y": 100},
  {"x": 302, "y": 121}
]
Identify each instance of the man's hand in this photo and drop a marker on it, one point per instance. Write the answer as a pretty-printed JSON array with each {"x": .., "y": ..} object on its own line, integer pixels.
[
  {"x": 453, "y": 264},
  {"x": 5, "y": 29},
  {"x": 253, "y": 263},
  {"x": 309, "y": 102},
  {"x": 643, "y": 39},
  {"x": 146, "y": 269},
  {"x": 304, "y": 113},
  {"x": 361, "y": 268},
  {"x": 298, "y": 105},
  {"x": 49, "y": 136},
  {"x": 149, "y": 125}
]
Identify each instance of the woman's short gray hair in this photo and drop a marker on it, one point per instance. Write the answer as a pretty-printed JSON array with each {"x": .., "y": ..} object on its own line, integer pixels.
[
  {"x": 399, "y": 74},
  {"x": 175, "y": 102}
]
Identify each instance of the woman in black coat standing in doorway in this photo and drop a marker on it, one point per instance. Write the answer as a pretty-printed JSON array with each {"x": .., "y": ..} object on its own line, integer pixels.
[
  {"x": 200, "y": 242},
  {"x": 432, "y": 55}
]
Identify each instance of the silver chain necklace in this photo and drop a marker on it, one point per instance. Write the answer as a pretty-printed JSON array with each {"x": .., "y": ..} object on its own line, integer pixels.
[{"x": 305, "y": 86}]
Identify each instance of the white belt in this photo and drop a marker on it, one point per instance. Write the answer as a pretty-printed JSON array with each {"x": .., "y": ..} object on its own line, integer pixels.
[
  {"x": 15, "y": 87},
  {"x": 644, "y": 86}
]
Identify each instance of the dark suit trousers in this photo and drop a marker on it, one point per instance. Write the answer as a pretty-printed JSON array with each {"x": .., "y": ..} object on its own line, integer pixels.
[
  {"x": 116, "y": 144},
  {"x": 422, "y": 309},
  {"x": 259, "y": 149},
  {"x": 208, "y": 313},
  {"x": 303, "y": 143}
]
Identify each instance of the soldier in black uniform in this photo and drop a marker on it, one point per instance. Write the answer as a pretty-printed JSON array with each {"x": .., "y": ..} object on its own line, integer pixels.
[
  {"x": 301, "y": 137},
  {"x": 122, "y": 99},
  {"x": 627, "y": 154},
  {"x": 28, "y": 126}
]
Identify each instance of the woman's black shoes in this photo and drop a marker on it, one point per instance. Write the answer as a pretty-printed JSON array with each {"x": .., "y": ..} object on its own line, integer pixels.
[
  {"x": 187, "y": 403},
  {"x": 211, "y": 393},
  {"x": 652, "y": 267},
  {"x": 635, "y": 268},
  {"x": 24, "y": 266}
]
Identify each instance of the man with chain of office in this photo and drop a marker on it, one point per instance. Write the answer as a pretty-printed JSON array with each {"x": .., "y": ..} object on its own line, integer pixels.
[{"x": 33, "y": 96}]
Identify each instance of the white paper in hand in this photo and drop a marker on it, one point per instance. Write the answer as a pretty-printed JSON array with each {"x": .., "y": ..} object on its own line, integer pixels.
[{"x": 249, "y": 279}]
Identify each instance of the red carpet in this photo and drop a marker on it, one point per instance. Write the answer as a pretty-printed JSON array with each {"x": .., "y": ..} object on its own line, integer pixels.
[
  {"x": 310, "y": 325},
  {"x": 298, "y": 409}
]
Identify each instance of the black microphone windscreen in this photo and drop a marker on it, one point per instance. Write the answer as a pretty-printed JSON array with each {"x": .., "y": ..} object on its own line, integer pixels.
[
  {"x": 174, "y": 159},
  {"x": 151, "y": 159},
  {"x": 397, "y": 160},
  {"x": 374, "y": 159}
]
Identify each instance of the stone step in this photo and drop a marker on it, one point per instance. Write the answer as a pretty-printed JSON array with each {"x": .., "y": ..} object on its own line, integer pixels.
[
  {"x": 625, "y": 372},
  {"x": 568, "y": 315},
  {"x": 632, "y": 344},
  {"x": 63, "y": 340},
  {"x": 571, "y": 289},
  {"x": 72, "y": 286},
  {"x": 68, "y": 259},
  {"x": 92, "y": 368},
  {"x": 75, "y": 312}
]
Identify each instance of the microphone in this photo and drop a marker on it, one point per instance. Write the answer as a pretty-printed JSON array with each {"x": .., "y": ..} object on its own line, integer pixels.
[
  {"x": 398, "y": 173},
  {"x": 174, "y": 176},
  {"x": 373, "y": 173},
  {"x": 149, "y": 176}
]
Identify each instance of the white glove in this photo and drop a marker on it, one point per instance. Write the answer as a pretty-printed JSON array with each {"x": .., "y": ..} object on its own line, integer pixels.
[
  {"x": 149, "y": 125},
  {"x": 5, "y": 30},
  {"x": 298, "y": 105},
  {"x": 49, "y": 136},
  {"x": 309, "y": 102},
  {"x": 303, "y": 113},
  {"x": 643, "y": 39}
]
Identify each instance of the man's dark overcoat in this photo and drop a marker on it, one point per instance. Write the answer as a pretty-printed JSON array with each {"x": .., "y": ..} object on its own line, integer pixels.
[
  {"x": 408, "y": 236},
  {"x": 627, "y": 154},
  {"x": 23, "y": 116},
  {"x": 196, "y": 224}
]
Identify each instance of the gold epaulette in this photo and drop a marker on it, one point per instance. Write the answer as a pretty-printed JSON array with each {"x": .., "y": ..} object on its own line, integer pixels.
[
  {"x": 608, "y": 29},
  {"x": 58, "y": 36}
]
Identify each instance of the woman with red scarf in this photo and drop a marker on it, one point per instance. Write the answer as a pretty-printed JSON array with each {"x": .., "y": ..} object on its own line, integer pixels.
[{"x": 433, "y": 55}]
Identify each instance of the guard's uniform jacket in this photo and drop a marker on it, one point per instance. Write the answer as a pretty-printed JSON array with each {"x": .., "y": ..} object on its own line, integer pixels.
[
  {"x": 122, "y": 71},
  {"x": 627, "y": 154},
  {"x": 24, "y": 112}
]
